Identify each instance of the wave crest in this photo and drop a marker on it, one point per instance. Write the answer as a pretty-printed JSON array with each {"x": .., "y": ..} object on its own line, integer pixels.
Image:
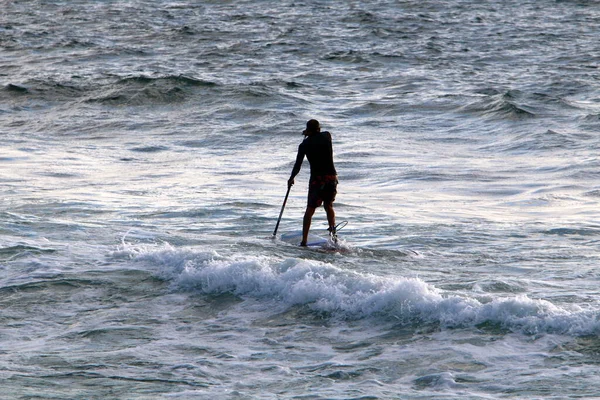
[
  {"x": 143, "y": 90},
  {"x": 339, "y": 293},
  {"x": 505, "y": 105}
]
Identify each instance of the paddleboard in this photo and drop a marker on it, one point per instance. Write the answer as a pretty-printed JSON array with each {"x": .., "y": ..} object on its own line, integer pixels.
[{"x": 313, "y": 240}]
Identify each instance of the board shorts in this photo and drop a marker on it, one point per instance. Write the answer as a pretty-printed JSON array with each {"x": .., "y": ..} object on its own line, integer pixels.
[{"x": 322, "y": 189}]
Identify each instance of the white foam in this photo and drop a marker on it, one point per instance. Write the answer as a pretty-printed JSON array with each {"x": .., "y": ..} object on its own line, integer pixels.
[{"x": 326, "y": 288}]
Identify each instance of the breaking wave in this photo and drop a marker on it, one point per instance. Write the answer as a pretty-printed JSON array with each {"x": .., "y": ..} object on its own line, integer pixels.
[{"x": 338, "y": 293}]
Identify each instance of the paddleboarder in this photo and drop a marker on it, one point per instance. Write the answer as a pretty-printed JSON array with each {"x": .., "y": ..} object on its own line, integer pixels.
[{"x": 322, "y": 189}]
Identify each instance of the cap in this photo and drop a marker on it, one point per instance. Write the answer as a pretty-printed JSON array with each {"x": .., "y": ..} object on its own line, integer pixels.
[{"x": 311, "y": 126}]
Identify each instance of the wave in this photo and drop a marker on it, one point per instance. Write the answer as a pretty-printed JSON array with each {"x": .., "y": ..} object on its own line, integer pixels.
[
  {"x": 149, "y": 149},
  {"x": 145, "y": 90},
  {"x": 10, "y": 253},
  {"x": 134, "y": 90},
  {"x": 548, "y": 140},
  {"x": 592, "y": 193},
  {"x": 41, "y": 90},
  {"x": 338, "y": 293},
  {"x": 501, "y": 105},
  {"x": 169, "y": 79},
  {"x": 346, "y": 56},
  {"x": 15, "y": 88}
]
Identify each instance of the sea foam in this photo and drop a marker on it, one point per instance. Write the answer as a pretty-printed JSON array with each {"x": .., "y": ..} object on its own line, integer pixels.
[{"x": 345, "y": 294}]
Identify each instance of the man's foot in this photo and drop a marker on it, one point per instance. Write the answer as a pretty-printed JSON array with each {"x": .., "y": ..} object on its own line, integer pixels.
[
  {"x": 332, "y": 233},
  {"x": 303, "y": 244}
]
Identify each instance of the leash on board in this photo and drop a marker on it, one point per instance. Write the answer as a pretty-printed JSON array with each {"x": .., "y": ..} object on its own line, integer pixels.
[{"x": 333, "y": 231}]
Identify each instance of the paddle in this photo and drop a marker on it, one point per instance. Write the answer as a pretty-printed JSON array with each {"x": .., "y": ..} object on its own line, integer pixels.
[{"x": 281, "y": 213}]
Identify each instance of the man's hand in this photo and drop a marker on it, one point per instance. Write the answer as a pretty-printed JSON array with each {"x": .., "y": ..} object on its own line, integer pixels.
[{"x": 291, "y": 182}]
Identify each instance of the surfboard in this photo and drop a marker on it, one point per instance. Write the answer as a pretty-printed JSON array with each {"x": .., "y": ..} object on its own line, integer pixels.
[{"x": 313, "y": 240}]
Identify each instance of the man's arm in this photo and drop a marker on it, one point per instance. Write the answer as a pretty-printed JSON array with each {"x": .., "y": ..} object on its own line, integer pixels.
[{"x": 297, "y": 165}]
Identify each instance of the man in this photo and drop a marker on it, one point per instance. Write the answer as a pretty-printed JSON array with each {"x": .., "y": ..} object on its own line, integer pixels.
[{"x": 323, "y": 182}]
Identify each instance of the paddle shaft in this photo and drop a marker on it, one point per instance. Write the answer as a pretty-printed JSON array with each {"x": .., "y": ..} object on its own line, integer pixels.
[{"x": 282, "y": 208}]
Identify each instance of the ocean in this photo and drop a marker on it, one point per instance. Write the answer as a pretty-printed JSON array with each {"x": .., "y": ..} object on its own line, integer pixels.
[{"x": 146, "y": 148}]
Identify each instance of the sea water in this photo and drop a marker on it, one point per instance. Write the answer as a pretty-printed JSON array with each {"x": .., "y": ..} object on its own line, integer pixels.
[{"x": 146, "y": 147}]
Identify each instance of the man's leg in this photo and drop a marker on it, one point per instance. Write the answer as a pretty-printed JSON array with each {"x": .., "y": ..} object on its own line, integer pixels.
[
  {"x": 330, "y": 215},
  {"x": 308, "y": 214}
]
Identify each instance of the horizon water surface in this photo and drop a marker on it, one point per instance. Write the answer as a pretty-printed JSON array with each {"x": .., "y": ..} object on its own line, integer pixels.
[{"x": 146, "y": 150}]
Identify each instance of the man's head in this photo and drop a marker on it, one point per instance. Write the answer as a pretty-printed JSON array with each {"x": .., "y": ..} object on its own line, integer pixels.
[{"x": 312, "y": 127}]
